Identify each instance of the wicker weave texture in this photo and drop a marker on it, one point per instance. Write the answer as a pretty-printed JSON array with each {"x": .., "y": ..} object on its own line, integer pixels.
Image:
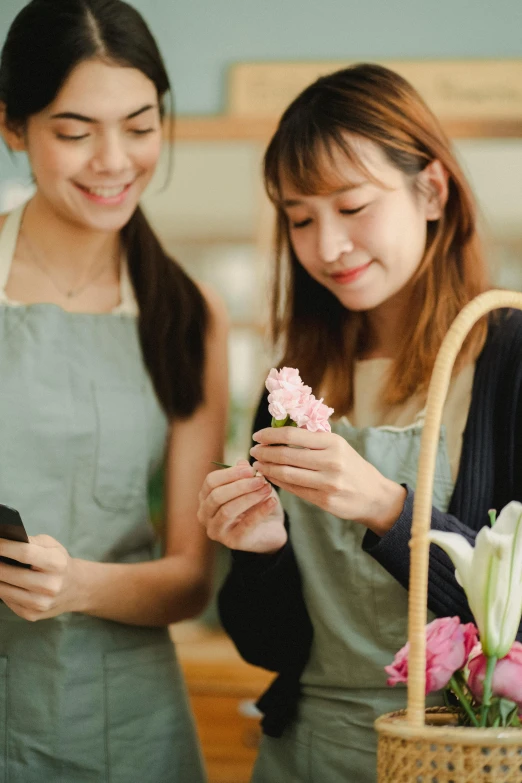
[
  {"x": 433, "y": 763},
  {"x": 447, "y": 755}
]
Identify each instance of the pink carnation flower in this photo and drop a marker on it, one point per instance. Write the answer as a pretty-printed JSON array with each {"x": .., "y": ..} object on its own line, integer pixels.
[
  {"x": 281, "y": 402},
  {"x": 448, "y": 646},
  {"x": 287, "y": 378},
  {"x": 289, "y": 397},
  {"x": 507, "y": 677},
  {"x": 313, "y": 415}
]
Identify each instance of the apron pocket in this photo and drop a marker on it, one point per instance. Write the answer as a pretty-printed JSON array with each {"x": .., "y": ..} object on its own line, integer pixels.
[
  {"x": 121, "y": 461},
  {"x": 150, "y": 730}
]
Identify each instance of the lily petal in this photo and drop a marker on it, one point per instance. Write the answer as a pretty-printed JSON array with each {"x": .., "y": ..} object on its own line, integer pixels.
[{"x": 460, "y": 551}]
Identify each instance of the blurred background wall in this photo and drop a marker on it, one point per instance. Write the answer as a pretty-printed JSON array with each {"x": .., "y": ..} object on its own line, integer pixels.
[{"x": 200, "y": 38}]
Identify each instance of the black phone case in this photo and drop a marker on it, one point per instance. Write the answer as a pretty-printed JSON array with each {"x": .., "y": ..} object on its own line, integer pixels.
[{"x": 12, "y": 528}]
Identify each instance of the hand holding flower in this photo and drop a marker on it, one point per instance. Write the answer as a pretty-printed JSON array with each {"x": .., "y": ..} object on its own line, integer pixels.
[
  {"x": 327, "y": 471},
  {"x": 241, "y": 510},
  {"x": 305, "y": 458}
]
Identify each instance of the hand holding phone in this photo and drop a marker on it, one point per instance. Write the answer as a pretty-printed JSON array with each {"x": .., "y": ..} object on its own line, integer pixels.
[{"x": 12, "y": 528}]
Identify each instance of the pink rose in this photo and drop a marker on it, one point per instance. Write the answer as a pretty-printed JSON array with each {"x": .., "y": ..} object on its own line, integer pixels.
[
  {"x": 448, "y": 646},
  {"x": 507, "y": 677}
]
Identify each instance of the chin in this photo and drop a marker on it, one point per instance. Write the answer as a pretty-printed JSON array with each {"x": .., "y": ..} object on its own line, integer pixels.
[
  {"x": 360, "y": 304},
  {"x": 108, "y": 220}
]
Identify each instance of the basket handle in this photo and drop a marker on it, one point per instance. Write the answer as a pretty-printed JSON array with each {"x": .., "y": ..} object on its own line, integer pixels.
[{"x": 419, "y": 544}]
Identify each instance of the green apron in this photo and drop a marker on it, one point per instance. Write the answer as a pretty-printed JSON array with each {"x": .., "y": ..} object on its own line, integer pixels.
[
  {"x": 84, "y": 700},
  {"x": 359, "y": 615}
]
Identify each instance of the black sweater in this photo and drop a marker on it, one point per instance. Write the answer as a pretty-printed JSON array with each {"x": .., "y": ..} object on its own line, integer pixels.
[{"x": 261, "y": 603}]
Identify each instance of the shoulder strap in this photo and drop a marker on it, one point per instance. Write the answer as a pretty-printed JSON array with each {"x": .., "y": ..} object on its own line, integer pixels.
[{"x": 8, "y": 239}]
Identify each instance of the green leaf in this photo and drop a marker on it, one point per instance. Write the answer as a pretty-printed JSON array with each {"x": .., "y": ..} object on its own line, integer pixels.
[
  {"x": 279, "y": 422},
  {"x": 503, "y": 712}
]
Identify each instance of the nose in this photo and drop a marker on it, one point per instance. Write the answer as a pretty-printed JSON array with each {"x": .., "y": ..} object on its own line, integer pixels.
[
  {"x": 110, "y": 155},
  {"x": 333, "y": 240}
]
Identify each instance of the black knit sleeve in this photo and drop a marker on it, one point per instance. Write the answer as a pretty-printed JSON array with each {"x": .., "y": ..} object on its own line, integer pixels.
[
  {"x": 261, "y": 604},
  {"x": 490, "y": 472},
  {"x": 445, "y": 596}
]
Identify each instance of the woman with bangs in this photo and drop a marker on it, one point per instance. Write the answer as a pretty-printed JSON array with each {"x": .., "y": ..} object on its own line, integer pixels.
[{"x": 377, "y": 251}]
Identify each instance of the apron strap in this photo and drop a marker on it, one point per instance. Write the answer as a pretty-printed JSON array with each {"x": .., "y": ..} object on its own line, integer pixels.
[{"x": 8, "y": 240}]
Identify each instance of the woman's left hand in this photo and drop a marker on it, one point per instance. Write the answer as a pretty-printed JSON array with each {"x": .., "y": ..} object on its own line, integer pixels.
[
  {"x": 328, "y": 472},
  {"x": 47, "y": 588}
]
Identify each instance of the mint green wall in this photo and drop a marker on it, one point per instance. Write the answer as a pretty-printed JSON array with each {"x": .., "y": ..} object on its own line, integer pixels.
[{"x": 201, "y": 38}]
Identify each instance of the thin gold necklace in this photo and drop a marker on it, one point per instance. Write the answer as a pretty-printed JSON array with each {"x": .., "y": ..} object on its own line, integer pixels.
[{"x": 69, "y": 293}]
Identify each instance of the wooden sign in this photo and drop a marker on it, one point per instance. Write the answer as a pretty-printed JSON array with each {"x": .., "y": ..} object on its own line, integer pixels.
[{"x": 468, "y": 90}]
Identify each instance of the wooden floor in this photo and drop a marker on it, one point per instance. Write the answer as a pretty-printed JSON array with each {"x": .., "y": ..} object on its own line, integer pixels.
[{"x": 222, "y": 689}]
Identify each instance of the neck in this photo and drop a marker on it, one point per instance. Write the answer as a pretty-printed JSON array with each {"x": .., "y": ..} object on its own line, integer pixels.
[
  {"x": 68, "y": 248},
  {"x": 385, "y": 325}
]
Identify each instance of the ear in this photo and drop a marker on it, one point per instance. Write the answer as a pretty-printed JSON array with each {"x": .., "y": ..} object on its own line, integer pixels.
[
  {"x": 13, "y": 136},
  {"x": 434, "y": 181}
]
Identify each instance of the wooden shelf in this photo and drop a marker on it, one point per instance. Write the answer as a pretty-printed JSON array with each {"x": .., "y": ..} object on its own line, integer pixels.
[
  {"x": 223, "y": 128},
  {"x": 242, "y": 128}
]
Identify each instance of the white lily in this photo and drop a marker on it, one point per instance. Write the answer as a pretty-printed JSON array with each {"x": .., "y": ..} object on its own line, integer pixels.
[{"x": 491, "y": 575}]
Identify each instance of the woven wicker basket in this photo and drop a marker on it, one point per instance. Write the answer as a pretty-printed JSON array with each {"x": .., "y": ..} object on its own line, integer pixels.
[{"x": 426, "y": 746}]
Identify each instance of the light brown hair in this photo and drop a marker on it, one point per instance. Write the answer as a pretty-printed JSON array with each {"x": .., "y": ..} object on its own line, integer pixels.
[{"x": 316, "y": 333}]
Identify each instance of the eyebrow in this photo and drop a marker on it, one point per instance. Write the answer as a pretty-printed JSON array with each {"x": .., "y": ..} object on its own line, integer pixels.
[
  {"x": 70, "y": 115},
  {"x": 295, "y": 202}
]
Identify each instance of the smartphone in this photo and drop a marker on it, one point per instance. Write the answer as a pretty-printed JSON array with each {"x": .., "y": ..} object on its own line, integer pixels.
[{"x": 12, "y": 528}]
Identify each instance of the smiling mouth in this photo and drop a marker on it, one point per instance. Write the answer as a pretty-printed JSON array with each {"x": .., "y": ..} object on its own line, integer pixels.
[
  {"x": 348, "y": 275},
  {"x": 105, "y": 192}
]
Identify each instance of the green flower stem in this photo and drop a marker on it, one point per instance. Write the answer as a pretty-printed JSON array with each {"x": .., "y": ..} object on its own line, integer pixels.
[
  {"x": 279, "y": 422},
  {"x": 488, "y": 680},
  {"x": 463, "y": 699}
]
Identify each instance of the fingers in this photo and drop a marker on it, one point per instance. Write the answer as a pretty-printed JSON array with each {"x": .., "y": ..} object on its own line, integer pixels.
[
  {"x": 285, "y": 455},
  {"x": 230, "y": 492},
  {"x": 260, "y": 529},
  {"x": 222, "y": 476},
  {"x": 37, "y": 581},
  {"x": 228, "y": 514},
  {"x": 26, "y": 600},
  {"x": 310, "y": 495},
  {"x": 294, "y": 436},
  {"x": 287, "y": 474},
  {"x": 42, "y": 553}
]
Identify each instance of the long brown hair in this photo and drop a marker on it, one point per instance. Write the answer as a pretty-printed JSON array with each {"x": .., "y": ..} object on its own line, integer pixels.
[
  {"x": 46, "y": 41},
  {"x": 316, "y": 333}
]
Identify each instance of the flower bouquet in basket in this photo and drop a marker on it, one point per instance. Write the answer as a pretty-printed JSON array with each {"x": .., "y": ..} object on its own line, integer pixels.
[
  {"x": 485, "y": 677},
  {"x": 479, "y": 740}
]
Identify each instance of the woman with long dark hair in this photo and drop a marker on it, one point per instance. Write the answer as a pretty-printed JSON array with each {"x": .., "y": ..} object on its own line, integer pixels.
[
  {"x": 377, "y": 251},
  {"x": 111, "y": 359}
]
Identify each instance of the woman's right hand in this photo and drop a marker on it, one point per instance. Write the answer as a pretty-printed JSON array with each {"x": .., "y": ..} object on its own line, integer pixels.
[{"x": 242, "y": 510}]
